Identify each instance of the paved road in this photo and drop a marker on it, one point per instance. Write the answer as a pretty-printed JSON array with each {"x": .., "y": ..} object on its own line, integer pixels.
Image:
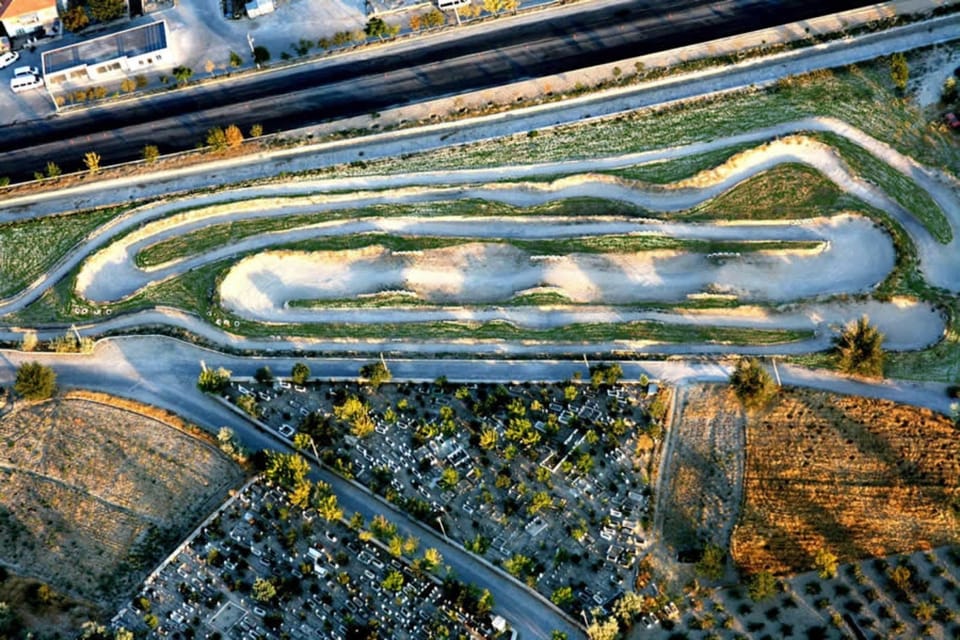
[
  {"x": 162, "y": 371},
  {"x": 414, "y": 72}
]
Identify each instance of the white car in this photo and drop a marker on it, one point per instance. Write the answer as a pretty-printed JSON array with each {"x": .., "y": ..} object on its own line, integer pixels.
[
  {"x": 8, "y": 58},
  {"x": 26, "y": 71}
]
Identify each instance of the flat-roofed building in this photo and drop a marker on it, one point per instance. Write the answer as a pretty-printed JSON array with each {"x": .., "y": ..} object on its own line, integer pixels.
[{"x": 108, "y": 57}]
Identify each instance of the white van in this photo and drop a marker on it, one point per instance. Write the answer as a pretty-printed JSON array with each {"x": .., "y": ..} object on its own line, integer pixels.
[
  {"x": 26, "y": 71},
  {"x": 25, "y": 83}
]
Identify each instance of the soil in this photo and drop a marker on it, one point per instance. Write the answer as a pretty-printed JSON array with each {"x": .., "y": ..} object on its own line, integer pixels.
[
  {"x": 95, "y": 494},
  {"x": 859, "y": 477},
  {"x": 703, "y": 480}
]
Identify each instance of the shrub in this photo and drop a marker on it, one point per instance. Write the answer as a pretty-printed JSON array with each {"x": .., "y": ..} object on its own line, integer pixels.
[
  {"x": 256, "y": 131},
  {"x": 128, "y": 85},
  {"x": 91, "y": 161},
  {"x": 752, "y": 384},
  {"x": 53, "y": 169},
  {"x": 233, "y": 136},
  {"x": 260, "y": 55},
  {"x": 216, "y": 139},
  {"x": 235, "y": 59},
  {"x": 35, "y": 381},
  {"x": 860, "y": 349},
  {"x": 151, "y": 153}
]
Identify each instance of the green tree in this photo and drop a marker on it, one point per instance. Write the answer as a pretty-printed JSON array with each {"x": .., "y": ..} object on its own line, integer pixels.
[
  {"x": 608, "y": 629},
  {"x": 712, "y": 563},
  {"x": 329, "y": 509},
  {"x": 558, "y": 635},
  {"x": 248, "y": 404},
  {"x": 107, "y": 10},
  {"x": 540, "y": 501},
  {"x": 235, "y": 60},
  {"x": 393, "y": 581},
  {"x": 260, "y": 55},
  {"x": 263, "y": 375},
  {"x": 151, "y": 153},
  {"x": 300, "y": 373},
  {"x": 432, "y": 559},
  {"x": 182, "y": 74},
  {"x": 562, "y": 596},
  {"x": 53, "y": 169},
  {"x": 488, "y": 439},
  {"x": 762, "y": 586},
  {"x": 375, "y": 373},
  {"x": 91, "y": 160},
  {"x": 263, "y": 590},
  {"x": 518, "y": 565},
  {"x": 216, "y": 139},
  {"x": 35, "y": 381},
  {"x": 860, "y": 349},
  {"x": 75, "y": 18},
  {"x": 449, "y": 478},
  {"x": 286, "y": 469},
  {"x": 752, "y": 384},
  {"x": 213, "y": 380},
  {"x": 825, "y": 563},
  {"x": 128, "y": 85},
  {"x": 375, "y": 28},
  {"x": 899, "y": 71}
]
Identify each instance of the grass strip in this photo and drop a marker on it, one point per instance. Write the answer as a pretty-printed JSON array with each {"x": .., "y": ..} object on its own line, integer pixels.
[
  {"x": 667, "y": 171},
  {"x": 901, "y": 188},
  {"x": 30, "y": 248}
]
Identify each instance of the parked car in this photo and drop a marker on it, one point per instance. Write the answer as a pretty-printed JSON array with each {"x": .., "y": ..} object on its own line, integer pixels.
[
  {"x": 8, "y": 58},
  {"x": 26, "y": 71}
]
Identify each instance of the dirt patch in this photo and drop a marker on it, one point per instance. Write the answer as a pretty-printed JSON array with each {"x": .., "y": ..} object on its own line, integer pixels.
[
  {"x": 860, "y": 477},
  {"x": 704, "y": 475},
  {"x": 42, "y": 611},
  {"x": 94, "y": 494}
]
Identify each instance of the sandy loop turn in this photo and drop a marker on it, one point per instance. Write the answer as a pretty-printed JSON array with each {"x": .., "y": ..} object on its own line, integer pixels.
[{"x": 855, "y": 256}]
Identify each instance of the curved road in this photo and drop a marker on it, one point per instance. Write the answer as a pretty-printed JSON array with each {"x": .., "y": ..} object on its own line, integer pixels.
[{"x": 419, "y": 70}]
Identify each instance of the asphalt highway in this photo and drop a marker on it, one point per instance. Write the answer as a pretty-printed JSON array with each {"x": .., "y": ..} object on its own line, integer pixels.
[{"x": 414, "y": 71}]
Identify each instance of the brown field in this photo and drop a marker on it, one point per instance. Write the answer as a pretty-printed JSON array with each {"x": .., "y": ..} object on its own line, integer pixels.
[
  {"x": 857, "y": 476},
  {"x": 704, "y": 471},
  {"x": 93, "y": 494}
]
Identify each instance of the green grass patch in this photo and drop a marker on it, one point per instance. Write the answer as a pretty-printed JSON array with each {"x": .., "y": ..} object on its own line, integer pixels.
[
  {"x": 217, "y": 235},
  {"x": 667, "y": 171},
  {"x": 30, "y": 248},
  {"x": 901, "y": 188}
]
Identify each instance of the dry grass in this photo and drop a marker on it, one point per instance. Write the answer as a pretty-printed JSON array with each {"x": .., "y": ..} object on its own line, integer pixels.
[
  {"x": 94, "y": 494},
  {"x": 857, "y": 476},
  {"x": 705, "y": 469}
]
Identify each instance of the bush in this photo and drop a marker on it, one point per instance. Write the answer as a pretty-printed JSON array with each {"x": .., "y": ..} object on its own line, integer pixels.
[
  {"x": 233, "y": 136},
  {"x": 35, "y": 381},
  {"x": 860, "y": 349},
  {"x": 151, "y": 153},
  {"x": 216, "y": 139},
  {"x": 235, "y": 59},
  {"x": 752, "y": 384},
  {"x": 261, "y": 55}
]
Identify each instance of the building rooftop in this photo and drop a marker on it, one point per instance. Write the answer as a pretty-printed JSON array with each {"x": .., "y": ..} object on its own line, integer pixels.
[
  {"x": 11, "y": 8},
  {"x": 123, "y": 44}
]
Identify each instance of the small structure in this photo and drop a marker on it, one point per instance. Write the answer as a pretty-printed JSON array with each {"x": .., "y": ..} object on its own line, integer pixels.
[
  {"x": 257, "y": 8},
  {"x": 27, "y": 17},
  {"x": 117, "y": 54}
]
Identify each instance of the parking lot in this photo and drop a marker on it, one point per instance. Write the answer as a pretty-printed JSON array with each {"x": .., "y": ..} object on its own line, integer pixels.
[
  {"x": 566, "y": 512},
  {"x": 330, "y": 581}
]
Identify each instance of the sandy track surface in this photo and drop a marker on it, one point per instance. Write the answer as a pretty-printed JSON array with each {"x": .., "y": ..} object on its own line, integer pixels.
[{"x": 855, "y": 261}]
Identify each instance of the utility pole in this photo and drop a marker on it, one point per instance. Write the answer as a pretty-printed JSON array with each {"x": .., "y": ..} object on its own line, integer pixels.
[
  {"x": 775, "y": 372},
  {"x": 252, "y": 52}
]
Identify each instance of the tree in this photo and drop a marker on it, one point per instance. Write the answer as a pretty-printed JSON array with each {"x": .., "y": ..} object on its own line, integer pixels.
[
  {"x": 150, "y": 153},
  {"x": 300, "y": 373},
  {"x": 432, "y": 559},
  {"x": 762, "y": 586},
  {"x": 128, "y": 85},
  {"x": 263, "y": 590},
  {"x": 260, "y": 55},
  {"x": 825, "y": 563},
  {"x": 376, "y": 373},
  {"x": 213, "y": 380},
  {"x": 233, "y": 136},
  {"x": 182, "y": 74},
  {"x": 434, "y": 18},
  {"x": 393, "y": 581},
  {"x": 860, "y": 349},
  {"x": 899, "y": 71},
  {"x": 449, "y": 478},
  {"x": 248, "y": 404},
  {"x": 712, "y": 563},
  {"x": 375, "y": 28},
  {"x": 541, "y": 500},
  {"x": 607, "y": 629},
  {"x": 91, "y": 161},
  {"x": 263, "y": 375},
  {"x": 53, "y": 169},
  {"x": 107, "y": 10},
  {"x": 286, "y": 469},
  {"x": 752, "y": 384},
  {"x": 256, "y": 130},
  {"x": 299, "y": 494},
  {"x": 329, "y": 509},
  {"x": 216, "y": 139},
  {"x": 210, "y": 66},
  {"x": 235, "y": 60},
  {"x": 562, "y": 596},
  {"x": 900, "y": 576},
  {"x": 35, "y": 381},
  {"x": 488, "y": 439},
  {"x": 75, "y": 18}
]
